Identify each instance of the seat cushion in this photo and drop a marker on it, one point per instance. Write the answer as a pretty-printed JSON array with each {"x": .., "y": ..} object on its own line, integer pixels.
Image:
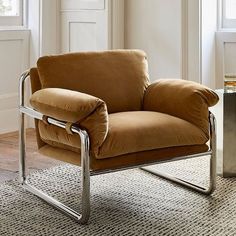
[{"x": 132, "y": 132}]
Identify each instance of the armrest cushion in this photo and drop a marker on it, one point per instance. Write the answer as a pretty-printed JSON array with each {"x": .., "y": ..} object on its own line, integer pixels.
[
  {"x": 89, "y": 112},
  {"x": 65, "y": 105},
  {"x": 184, "y": 99}
]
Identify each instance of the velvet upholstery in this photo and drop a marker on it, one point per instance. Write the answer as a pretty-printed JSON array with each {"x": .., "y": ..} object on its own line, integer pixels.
[
  {"x": 131, "y": 132},
  {"x": 67, "y": 105},
  {"x": 184, "y": 99},
  {"x": 118, "y": 77},
  {"x": 35, "y": 86},
  {"x": 129, "y": 122},
  {"x": 86, "y": 111},
  {"x": 138, "y": 131},
  {"x": 123, "y": 161}
]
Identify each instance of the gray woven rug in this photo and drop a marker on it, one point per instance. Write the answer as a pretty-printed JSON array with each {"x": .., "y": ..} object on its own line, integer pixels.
[{"x": 123, "y": 203}]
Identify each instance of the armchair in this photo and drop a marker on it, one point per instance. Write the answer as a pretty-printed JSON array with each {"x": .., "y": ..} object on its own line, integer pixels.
[{"x": 98, "y": 110}]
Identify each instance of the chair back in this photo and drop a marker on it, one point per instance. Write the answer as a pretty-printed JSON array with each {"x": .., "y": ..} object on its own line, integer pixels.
[{"x": 118, "y": 77}]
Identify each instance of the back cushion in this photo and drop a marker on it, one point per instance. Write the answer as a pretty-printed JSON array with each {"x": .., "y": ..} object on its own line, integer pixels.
[{"x": 118, "y": 77}]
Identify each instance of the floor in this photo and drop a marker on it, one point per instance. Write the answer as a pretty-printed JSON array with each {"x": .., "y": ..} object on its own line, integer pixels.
[{"x": 9, "y": 153}]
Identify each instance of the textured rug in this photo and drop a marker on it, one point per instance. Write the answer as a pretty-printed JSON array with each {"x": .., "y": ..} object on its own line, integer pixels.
[{"x": 124, "y": 203}]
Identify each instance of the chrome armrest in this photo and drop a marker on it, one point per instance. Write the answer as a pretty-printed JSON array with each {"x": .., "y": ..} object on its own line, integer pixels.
[{"x": 37, "y": 115}]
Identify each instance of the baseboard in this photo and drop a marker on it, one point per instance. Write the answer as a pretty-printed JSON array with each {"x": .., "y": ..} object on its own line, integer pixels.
[
  {"x": 9, "y": 120},
  {"x": 9, "y": 113},
  {"x": 8, "y": 101}
]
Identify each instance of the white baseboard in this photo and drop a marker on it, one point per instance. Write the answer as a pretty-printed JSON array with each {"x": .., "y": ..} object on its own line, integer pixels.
[
  {"x": 9, "y": 114},
  {"x": 8, "y": 120},
  {"x": 8, "y": 101}
]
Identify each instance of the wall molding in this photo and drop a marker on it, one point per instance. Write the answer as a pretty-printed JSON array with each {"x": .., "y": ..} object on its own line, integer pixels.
[
  {"x": 77, "y": 5},
  {"x": 109, "y": 22},
  {"x": 91, "y": 24},
  {"x": 44, "y": 24},
  {"x": 184, "y": 39},
  {"x": 8, "y": 101},
  {"x": 199, "y": 23},
  {"x": 208, "y": 28},
  {"x": 116, "y": 24},
  {"x": 49, "y": 27},
  {"x": 200, "y": 6}
]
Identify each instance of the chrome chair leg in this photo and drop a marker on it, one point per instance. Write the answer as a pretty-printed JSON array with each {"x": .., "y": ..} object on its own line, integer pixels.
[
  {"x": 212, "y": 177},
  {"x": 82, "y": 217},
  {"x": 185, "y": 183}
]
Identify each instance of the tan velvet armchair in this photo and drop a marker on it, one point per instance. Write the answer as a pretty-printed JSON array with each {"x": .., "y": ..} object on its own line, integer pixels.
[{"x": 99, "y": 111}]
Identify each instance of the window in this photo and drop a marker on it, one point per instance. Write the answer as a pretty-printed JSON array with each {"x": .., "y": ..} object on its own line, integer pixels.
[
  {"x": 229, "y": 13},
  {"x": 230, "y": 9},
  {"x": 11, "y": 12}
]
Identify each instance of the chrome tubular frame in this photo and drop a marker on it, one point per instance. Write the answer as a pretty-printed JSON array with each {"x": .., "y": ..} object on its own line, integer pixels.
[
  {"x": 85, "y": 170},
  {"x": 83, "y": 217},
  {"x": 212, "y": 177}
]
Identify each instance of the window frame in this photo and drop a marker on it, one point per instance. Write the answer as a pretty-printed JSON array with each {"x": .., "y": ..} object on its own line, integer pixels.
[
  {"x": 225, "y": 23},
  {"x": 9, "y": 21}
]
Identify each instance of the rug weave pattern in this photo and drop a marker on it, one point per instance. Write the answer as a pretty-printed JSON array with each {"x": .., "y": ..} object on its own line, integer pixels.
[{"x": 124, "y": 203}]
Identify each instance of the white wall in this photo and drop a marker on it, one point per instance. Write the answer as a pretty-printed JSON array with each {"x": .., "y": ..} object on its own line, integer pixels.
[
  {"x": 208, "y": 45},
  {"x": 19, "y": 50},
  {"x": 14, "y": 48},
  {"x": 193, "y": 41},
  {"x": 155, "y": 27}
]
